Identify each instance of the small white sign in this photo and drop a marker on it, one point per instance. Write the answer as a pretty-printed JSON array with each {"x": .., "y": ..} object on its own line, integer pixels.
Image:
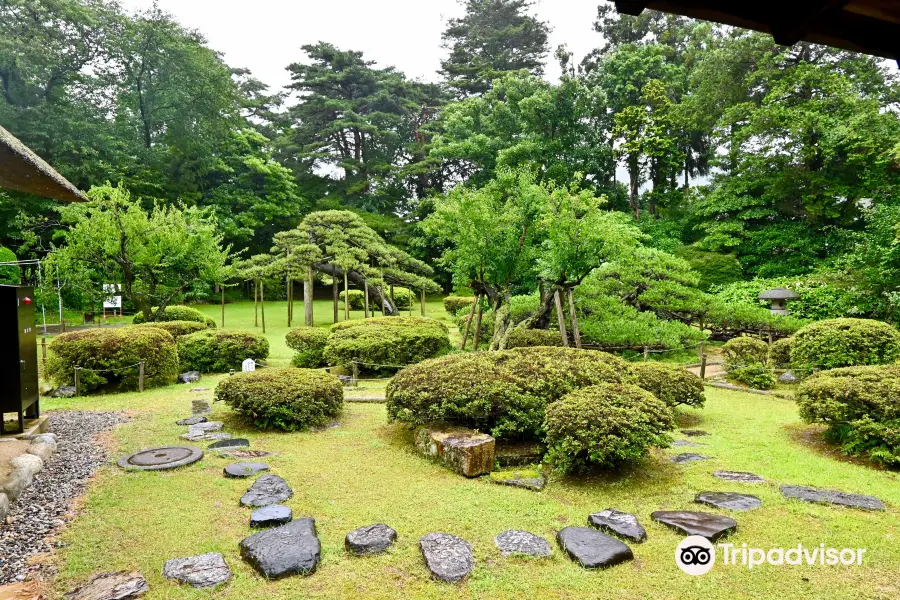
[
  {"x": 248, "y": 365},
  {"x": 111, "y": 297}
]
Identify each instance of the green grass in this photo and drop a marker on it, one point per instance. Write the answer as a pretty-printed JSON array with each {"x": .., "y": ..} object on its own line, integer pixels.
[{"x": 363, "y": 472}]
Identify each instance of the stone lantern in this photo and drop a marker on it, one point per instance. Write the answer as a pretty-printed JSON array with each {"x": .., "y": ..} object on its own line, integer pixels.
[{"x": 779, "y": 297}]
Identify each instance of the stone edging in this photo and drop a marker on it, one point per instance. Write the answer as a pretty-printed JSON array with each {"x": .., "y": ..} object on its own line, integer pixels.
[
  {"x": 737, "y": 388},
  {"x": 25, "y": 467}
]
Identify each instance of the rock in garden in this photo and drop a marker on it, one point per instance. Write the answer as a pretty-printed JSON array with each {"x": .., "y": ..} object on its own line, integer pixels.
[
  {"x": 271, "y": 516},
  {"x": 694, "y": 432},
  {"x": 591, "y": 548},
  {"x": 189, "y": 377},
  {"x": 688, "y": 457},
  {"x": 291, "y": 549},
  {"x": 728, "y": 500},
  {"x": 514, "y": 541},
  {"x": 683, "y": 443},
  {"x": 192, "y": 421},
  {"x": 448, "y": 557},
  {"x": 808, "y": 494},
  {"x": 268, "y": 489},
  {"x": 207, "y": 426},
  {"x": 202, "y": 571},
  {"x": 788, "y": 377},
  {"x": 467, "y": 452},
  {"x": 707, "y": 525},
  {"x": 28, "y": 462},
  {"x": 242, "y": 454},
  {"x": 200, "y": 436},
  {"x": 200, "y": 407},
  {"x": 200, "y": 389},
  {"x": 373, "y": 539},
  {"x": 529, "y": 480},
  {"x": 4, "y": 508},
  {"x": 738, "y": 476},
  {"x": 16, "y": 483},
  {"x": 518, "y": 454},
  {"x": 48, "y": 439},
  {"x": 620, "y": 524},
  {"x": 43, "y": 451},
  {"x": 111, "y": 586},
  {"x": 244, "y": 469},
  {"x": 230, "y": 443},
  {"x": 63, "y": 391}
]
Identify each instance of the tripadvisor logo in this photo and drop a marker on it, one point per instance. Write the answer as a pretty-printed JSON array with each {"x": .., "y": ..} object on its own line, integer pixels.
[{"x": 696, "y": 555}]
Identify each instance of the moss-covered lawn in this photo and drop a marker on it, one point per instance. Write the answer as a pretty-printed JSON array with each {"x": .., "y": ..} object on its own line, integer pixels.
[{"x": 363, "y": 472}]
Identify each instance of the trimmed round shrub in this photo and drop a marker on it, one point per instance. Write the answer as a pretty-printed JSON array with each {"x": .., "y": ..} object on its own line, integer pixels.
[
  {"x": 845, "y": 343},
  {"x": 9, "y": 274},
  {"x": 452, "y": 304},
  {"x": 673, "y": 385},
  {"x": 386, "y": 342},
  {"x": 177, "y": 313},
  {"x": 217, "y": 351},
  {"x": 505, "y": 392},
  {"x": 108, "y": 356},
  {"x": 745, "y": 350},
  {"x": 780, "y": 352},
  {"x": 287, "y": 399},
  {"x": 605, "y": 425},
  {"x": 403, "y": 298},
  {"x": 861, "y": 408},
  {"x": 528, "y": 338},
  {"x": 357, "y": 299},
  {"x": 176, "y": 328},
  {"x": 309, "y": 343}
]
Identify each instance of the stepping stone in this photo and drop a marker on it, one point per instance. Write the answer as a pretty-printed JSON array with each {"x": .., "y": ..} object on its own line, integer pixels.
[
  {"x": 189, "y": 377},
  {"x": 728, "y": 500},
  {"x": 200, "y": 436},
  {"x": 200, "y": 407},
  {"x": 465, "y": 451},
  {"x": 271, "y": 516},
  {"x": 514, "y": 541},
  {"x": 242, "y": 454},
  {"x": 591, "y": 548},
  {"x": 268, "y": 489},
  {"x": 688, "y": 457},
  {"x": 199, "y": 389},
  {"x": 244, "y": 469},
  {"x": 230, "y": 443},
  {"x": 291, "y": 549},
  {"x": 620, "y": 524},
  {"x": 120, "y": 585},
  {"x": 202, "y": 571},
  {"x": 683, "y": 443},
  {"x": 448, "y": 557},
  {"x": 191, "y": 421},
  {"x": 373, "y": 539},
  {"x": 529, "y": 480},
  {"x": 707, "y": 525},
  {"x": 808, "y": 494},
  {"x": 738, "y": 476},
  {"x": 694, "y": 432},
  {"x": 207, "y": 426}
]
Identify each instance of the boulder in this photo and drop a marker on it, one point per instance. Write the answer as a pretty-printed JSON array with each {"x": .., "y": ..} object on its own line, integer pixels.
[
  {"x": 620, "y": 524},
  {"x": 529, "y": 480},
  {"x": 202, "y": 571},
  {"x": 28, "y": 462},
  {"x": 738, "y": 476},
  {"x": 43, "y": 451},
  {"x": 514, "y": 541},
  {"x": 372, "y": 539},
  {"x": 448, "y": 558},
  {"x": 63, "y": 391},
  {"x": 268, "y": 489},
  {"x": 121, "y": 585},
  {"x": 467, "y": 452},
  {"x": 244, "y": 469},
  {"x": 189, "y": 377},
  {"x": 4, "y": 508},
  {"x": 271, "y": 516},
  {"x": 291, "y": 549},
  {"x": 591, "y": 548},
  {"x": 707, "y": 525},
  {"x": 816, "y": 496},
  {"x": 728, "y": 500},
  {"x": 16, "y": 483},
  {"x": 788, "y": 377},
  {"x": 46, "y": 438},
  {"x": 192, "y": 421}
]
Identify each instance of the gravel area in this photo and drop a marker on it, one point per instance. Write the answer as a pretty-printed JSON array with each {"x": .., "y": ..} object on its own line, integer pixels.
[{"x": 41, "y": 510}]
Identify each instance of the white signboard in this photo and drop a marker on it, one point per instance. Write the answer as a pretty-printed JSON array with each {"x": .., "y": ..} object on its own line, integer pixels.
[
  {"x": 248, "y": 365},
  {"x": 111, "y": 299}
]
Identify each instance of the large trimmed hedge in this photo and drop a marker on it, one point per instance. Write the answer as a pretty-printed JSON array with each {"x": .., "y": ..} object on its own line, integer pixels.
[
  {"x": 288, "y": 399},
  {"x": 845, "y": 343},
  {"x": 113, "y": 352},
  {"x": 860, "y": 406},
  {"x": 177, "y": 313},
  {"x": 529, "y": 338},
  {"x": 453, "y": 304},
  {"x": 780, "y": 352},
  {"x": 217, "y": 351},
  {"x": 671, "y": 384},
  {"x": 176, "y": 328},
  {"x": 385, "y": 342},
  {"x": 357, "y": 299},
  {"x": 309, "y": 344},
  {"x": 747, "y": 362}
]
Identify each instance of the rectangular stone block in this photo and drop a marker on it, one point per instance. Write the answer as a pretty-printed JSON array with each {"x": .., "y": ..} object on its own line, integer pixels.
[{"x": 467, "y": 452}]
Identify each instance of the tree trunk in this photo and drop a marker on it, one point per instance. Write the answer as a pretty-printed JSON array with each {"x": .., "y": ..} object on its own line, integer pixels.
[
  {"x": 256, "y": 303},
  {"x": 477, "y": 327},
  {"x": 334, "y": 296},
  {"x": 573, "y": 316},
  {"x": 290, "y": 301},
  {"x": 262, "y": 303},
  {"x": 308, "y": 298},
  {"x": 388, "y": 308},
  {"x": 469, "y": 322},
  {"x": 422, "y": 302},
  {"x": 223, "y": 306},
  {"x": 634, "y": 188},
  {"x": 62, "y": 320},
  {"x": 346, "y": 298},
  {"x": 561, "y": 318},
  {"x": 501, "y": 322},
  {"x": 366, "y": 299}
]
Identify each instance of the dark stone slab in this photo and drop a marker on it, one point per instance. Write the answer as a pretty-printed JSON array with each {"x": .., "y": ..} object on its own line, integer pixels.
[
  {"x": 694, "y": 432},
  {"x": 728, "y": 500},
  {"x": 201, "y": 436},
  {"x": 242, "y": 454},
  {"x": 120, "y": 585},
  {"x": 707, "y": 525},
  {"x": 291, "y": 549},
  {"x": 192, "y": 421},
  {"x": 529, "y": 480},
  {"x": 230, "y": 443},
  {"x": 620, "y": 524},
  {"x": 200, "y": 389},
  {"x": 738, "y": 476},
  {"x": 202, "y": 571},
  {"x": 189, "y": 377},
  {"x": 372, "y": 539},
  {"x": 268, "y": 489},
  {"x": 514, "y": 541},
  {"x": 808, "y": 494},
  {"x": 683, "y": 444},
  {"x": 688, "y": 457},
  {"x": 448, "y": 557},
  {"x": 245, "y": 469},
  {"x": 200, "y": 407},
  {"x": 592, "y": 549},
  {"x": 206, "y": 426},
  {"x": 271, "y": 516}
]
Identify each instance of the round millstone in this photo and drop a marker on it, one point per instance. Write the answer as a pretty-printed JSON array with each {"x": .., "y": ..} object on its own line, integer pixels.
[{"x": 158, "y": 459}]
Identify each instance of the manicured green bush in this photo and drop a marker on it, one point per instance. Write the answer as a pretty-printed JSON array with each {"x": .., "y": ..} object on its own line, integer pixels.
[
  {"x": 526, "y": 338},
  {"x": 780, "y": 352},
  {"x": 287, "y": 399},
  {"x": 604, "y": 425},
  {"x": 217, "y": 351},
  {"x": 403, "y": 298},
  {"x": 844, "y": 343},
  {"x": 861, "y": 408},
  {"x": 177, "y": 313},
  {"x": 357, "y": 299},
  {"x": 176, "y": 328},
  {"x": 309, "y": 343},
  {"x": 109, "y": 356},
  {"x": 453, "y": 304},
  {"x": 672, "y": 384},
  {"x": 715, "y": 269},
  {"x": 385, "y": 342},
  {"x": 9, "y": 274},
  {"x": 747, "y": 362}
]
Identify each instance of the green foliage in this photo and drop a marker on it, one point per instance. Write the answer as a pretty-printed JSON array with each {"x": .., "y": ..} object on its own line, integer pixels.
[
  {"x": 403, "y": 298},
  {"x": 453, "y": 304},
  {"x": 386, "y": 342},
  {"x": 526, "y": 338},
  {"x": 217, "y": 351},
  {"x": 309, "y": 344},
  {"x": 861, "y": 408},
  {"x": 747, "y": 362},
  {"x": 822, "y": 296},
  {"x": 672, "y": 384},
  {"x": 357, "y": 299},
  {"x": 715, "y": 269},
  {"x": 109, "y": 357},
  {"x": 844, "y": 343},
  {"x": 286, "y": 399},
  {"x": 176, "y": 328},
  {"x": 175, "y": 313},
  {"x": 755, "y": 376},
  {"x": 605, "y": 425},
  {"x": 9, "y": 274},
  {"x": 780, "y": 352}
]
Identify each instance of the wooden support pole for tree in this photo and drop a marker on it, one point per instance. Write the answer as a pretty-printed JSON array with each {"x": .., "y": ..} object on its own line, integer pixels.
[
  {"x": 462, "y": 346},
  {"x": 355, "y": 382},
  {"x": 308, "y": 298},
  {"x": 44, "y": 351},
  {"x": 334, "y": 294},
  {"x": 262, "y": 303},
  {"x": 77, "y": 381},
  {"x": 573, "y": 316},
  {"x": 560, "y": 317},
  {"x": 223, "y": 306},
  {"x": 256, "y": 302},
  {"x": 141, "y": 376},
  {"x": 366, "y": 300},
  {"x": 422, "y": 302},
  {"x": 646, "y": 353},
  {"x": 394, "y": 302},
  {"x": 702, "y": 361},
  {"x": 477, "y": 337},
  {"x": 346, "y": 297}
]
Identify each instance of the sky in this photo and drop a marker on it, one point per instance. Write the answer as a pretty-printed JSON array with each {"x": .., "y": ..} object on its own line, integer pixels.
[{"x": 265, "y": 35}]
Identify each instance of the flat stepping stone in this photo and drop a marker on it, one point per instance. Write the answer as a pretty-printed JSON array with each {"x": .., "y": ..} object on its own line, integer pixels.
[
  {"x": 268, "y": 489},
  {"x": 202, "y": 571},
  {"x": 688, "y": 457},
  {"x": 200, "y": 389},
  {"x": 207, "y": 426},
  {"x": 120, "y": 585},
  {"x": 271, "y": 516},
  {"x": 242, "y": 454},
  {"x": 592, "y": 549},
  {"x": 291, "y": 549},
  {"x": 620, "y": 524},
  {"x": 728, "y": 500},
  {"x": 199, "y": 436},
  {"x": 687, "y": 522},
  {"x": 230, "y": 442},
  {"x": 200, "y": 407},
  {"x": 244, "y": 469},
  {"x": 160, "y": 459},
  {"x": 191, "y": 421},
  {"x": 738, "y": 476},
  {"x": 529, "y": 480},
  {"x": 683, "y": 444},
  {"x": 694, "y": 432},
  {"x": 448, "y": 557},
  {"x": 514, "y": 541},
  {"x": 817, "y": 496},
  {"x": 373, "y": 539}
]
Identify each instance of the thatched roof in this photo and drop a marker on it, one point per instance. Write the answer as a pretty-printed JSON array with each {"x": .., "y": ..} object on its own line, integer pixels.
[{"x": 23, "y": 170}]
